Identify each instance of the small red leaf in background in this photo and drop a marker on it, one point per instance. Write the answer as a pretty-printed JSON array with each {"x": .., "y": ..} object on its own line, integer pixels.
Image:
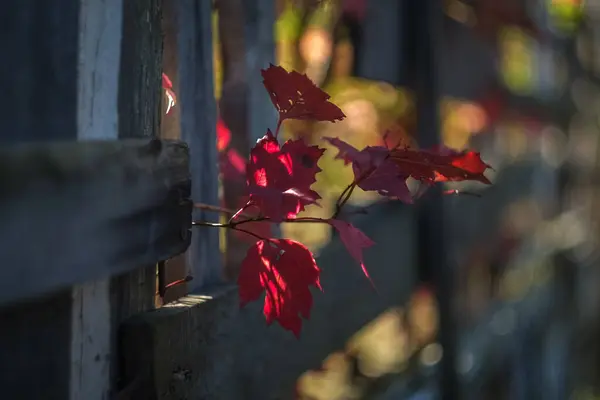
[
  {"x": 284, "y": 269},
  {"x": 374, "y": 170},
  {"x": 441, "y": 165},
  {"x": 231, "y": 164},
  {"x": 166, "y": 82},
  {"x": 168, "y": 86},
  {"x": 386, "y": 170},
  {"x": 296, "y": 97},
  {"x": 354, "y": 240},
  {"x": 223, "y": 135},
  {"x": 279, "y": 178}
]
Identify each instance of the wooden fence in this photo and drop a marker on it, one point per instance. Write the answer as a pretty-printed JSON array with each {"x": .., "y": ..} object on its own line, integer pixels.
[
  {"x": 91, "y": 197},
  {"x": 96, "y": 190},
  {"x": 95, "y": 195}
]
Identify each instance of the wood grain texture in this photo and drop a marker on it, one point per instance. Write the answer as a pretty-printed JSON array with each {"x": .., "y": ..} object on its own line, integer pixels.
[
  {"x": 97, "y": 118},
  {"x": 90, "y": 210},
  {"x": 139, "y": 116},
  {"x": 139, "y": 103},
  {"x": 198, "y": 129}
]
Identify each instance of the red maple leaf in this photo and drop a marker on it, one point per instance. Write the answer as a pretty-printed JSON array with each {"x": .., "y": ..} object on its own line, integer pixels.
[
  {"x": 374, "y": 170},
  {"x": 284, "y": 269},
  {"x": 354, "y": 240},
  {"x": 386, "y": 170},
  {"x": 441, "y": 165},
  {"x": 296, "y": 97},
  {"x": 279, "y": 178}
]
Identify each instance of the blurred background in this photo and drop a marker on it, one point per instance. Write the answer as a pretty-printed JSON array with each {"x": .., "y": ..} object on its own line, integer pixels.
[{"x": 506, "y": 276}]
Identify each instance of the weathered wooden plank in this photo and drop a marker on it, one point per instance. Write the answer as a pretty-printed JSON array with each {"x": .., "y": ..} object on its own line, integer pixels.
[
  {"x": 198, "y": 129},
  {"x": 97, "y": 118},
  {"x": 139, "y": 108},
  {"x": 139, "y": 116},
  {"x": 91, "y": 349},
  {"x": 41, "y": 81},
  {"x": 90, "y": 209}
]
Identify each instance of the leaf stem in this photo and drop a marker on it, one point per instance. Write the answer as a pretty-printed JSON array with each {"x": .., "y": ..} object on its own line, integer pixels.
[
  {"x": 279, "y": 121},
  {"x": 234, "y": 224},
  {"x": 210, "y": 207},
  {"x": 240, "y": 212},
  {"x": 249, "y": 233},
  {"x": 343, "y": 199}
]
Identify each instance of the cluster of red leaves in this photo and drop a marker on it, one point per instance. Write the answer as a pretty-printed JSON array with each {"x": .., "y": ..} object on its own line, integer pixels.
[{"x": 279, "y": 180}]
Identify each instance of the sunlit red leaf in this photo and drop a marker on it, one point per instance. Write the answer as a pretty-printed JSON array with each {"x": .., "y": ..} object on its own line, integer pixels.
[
  {"x": 279, "y": 178},
  {"x": 441, "y": 165},
  {"x": 284, "y": 269},
  {"x": 296, "y": 97}
]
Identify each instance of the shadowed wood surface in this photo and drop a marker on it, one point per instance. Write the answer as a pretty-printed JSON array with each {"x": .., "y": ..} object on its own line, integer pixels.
[
  {"x": 89, "y": 210},
  {"x": 39, "y": 77}
]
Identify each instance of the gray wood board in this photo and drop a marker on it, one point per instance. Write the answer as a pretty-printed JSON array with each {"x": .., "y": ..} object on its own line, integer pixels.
[{"x": 76, "y": 212}]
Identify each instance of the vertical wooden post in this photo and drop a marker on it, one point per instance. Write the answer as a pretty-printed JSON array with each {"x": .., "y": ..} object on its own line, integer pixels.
[
  {"x": 39, "y": 80},
  {"x": 198, "y": 129},
  {"x": 427, "y": 18},
  {"x": 260, "y": 51},
  {"x": 97, "y": 118},
  {"x": 233, "y": 110},
  {"x": 139, "y": 107},
  {"x": 381, "y": 58},
  {"x": 170, "y": 128}
]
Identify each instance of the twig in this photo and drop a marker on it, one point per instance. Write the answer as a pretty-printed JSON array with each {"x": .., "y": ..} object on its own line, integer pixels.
[
  {"x": 210, "y": 207},
  {"x": 234, "y": 224},
  {"x": 249, "y": 233}
]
